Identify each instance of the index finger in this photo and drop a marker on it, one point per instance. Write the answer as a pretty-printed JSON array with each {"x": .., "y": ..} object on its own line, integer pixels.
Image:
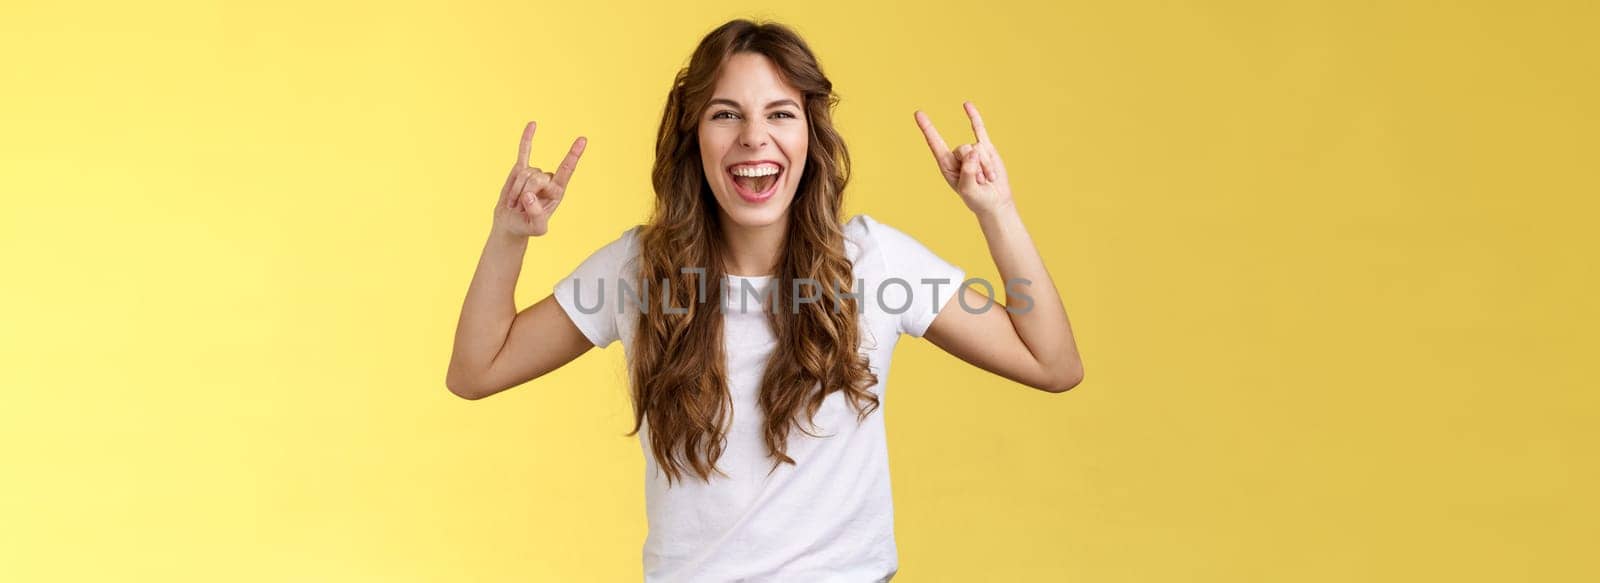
[
  {"x": 941, "y": 152},
  {"x": 527, "y": 143},
  {"x": 570, "y": 163},
  {"x": 977, "y": 123}
]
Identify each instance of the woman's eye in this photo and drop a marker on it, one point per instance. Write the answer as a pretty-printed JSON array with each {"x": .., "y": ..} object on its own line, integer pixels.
[{"x": 730, "y": 115}]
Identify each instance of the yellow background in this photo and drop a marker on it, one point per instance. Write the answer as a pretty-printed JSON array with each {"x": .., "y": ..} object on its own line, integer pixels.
[{"x": 1331, "y": 268}]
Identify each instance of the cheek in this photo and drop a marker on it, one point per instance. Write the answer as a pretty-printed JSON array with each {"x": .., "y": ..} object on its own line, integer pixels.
[
  {"x": 709, "y": 156},
  {"x": 797, "y": 153},
  {"x": 713, "y": 147}
]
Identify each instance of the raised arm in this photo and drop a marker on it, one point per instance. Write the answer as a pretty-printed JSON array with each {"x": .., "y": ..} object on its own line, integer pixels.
[
  {"x": 496, "y": 347},
  {"x": 1030, "y": 341}
]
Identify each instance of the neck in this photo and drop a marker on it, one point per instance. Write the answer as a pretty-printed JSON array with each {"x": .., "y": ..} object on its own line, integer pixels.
[{"x": 753, "y": 251}]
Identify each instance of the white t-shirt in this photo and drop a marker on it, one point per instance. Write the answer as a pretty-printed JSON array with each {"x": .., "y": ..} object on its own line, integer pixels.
[{"x": 829, "y": 517}]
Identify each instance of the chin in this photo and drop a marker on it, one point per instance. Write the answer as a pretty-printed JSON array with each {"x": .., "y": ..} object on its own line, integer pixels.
[{"x": 767, "y": 213}]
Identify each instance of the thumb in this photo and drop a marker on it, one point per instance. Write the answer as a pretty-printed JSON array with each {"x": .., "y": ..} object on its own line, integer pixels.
[
  {"x": 969, "y": 171},
  {"x": 531, "y": 205}
]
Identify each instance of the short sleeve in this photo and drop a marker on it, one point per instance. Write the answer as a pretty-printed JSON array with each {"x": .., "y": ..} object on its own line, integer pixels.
[
  {"x": 588, "y": 295},
  {"x": 926, "y": 285}
]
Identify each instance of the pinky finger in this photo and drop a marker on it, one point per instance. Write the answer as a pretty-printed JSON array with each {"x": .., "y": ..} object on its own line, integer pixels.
[
  {"x": 507, "y": 198},
  {"x": 990, "y": 169}
]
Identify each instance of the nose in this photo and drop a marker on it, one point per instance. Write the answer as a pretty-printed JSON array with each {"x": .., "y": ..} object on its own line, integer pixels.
[{"x": 753, "y": 136}]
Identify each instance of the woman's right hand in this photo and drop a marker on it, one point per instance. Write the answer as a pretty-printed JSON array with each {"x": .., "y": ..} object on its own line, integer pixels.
[{"x": 531, "y": 195}]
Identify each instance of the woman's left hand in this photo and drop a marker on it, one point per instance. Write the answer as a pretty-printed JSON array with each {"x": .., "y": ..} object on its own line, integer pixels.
[{"x": 973, "y": 170}]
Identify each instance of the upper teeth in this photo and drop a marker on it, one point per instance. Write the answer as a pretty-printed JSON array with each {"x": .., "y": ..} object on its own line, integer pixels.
[{"x": 763, "y": 170}]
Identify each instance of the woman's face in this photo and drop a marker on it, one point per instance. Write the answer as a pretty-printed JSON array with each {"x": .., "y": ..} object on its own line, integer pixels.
[{"x": 753, "y": 138}]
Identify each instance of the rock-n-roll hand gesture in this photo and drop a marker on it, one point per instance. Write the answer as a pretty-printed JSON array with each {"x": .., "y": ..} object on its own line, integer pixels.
[
  {"x": 531, "y": 195},
  {"x": 973, "y": 170}
]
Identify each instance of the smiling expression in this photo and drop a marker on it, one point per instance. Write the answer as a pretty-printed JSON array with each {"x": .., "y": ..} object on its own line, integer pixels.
[{"x": 753, "y": 137}]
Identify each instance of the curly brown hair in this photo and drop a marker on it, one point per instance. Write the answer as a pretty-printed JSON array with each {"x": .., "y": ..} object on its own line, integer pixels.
[{"x": 678, "y": 366}]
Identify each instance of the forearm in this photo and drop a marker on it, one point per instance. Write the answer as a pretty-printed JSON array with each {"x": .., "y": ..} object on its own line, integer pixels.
[
  {"x": 1040, "y": 318},
  {"x": 489, "y": 308}
]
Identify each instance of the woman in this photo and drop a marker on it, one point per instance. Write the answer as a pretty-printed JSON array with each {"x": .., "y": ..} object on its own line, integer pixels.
[{"x": 757, "y": 400}]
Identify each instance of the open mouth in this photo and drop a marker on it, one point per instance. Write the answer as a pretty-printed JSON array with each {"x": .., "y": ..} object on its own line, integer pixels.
[{"x": 755, "y": 182}]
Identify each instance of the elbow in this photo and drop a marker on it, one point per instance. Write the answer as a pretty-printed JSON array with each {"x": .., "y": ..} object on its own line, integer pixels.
[
  {"x": 1064, "y": 381},
  {"x": 463, "y": 387}
]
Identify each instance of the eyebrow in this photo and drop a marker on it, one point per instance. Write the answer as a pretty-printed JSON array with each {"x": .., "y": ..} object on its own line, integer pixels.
[{"x": 735, "y": 104}]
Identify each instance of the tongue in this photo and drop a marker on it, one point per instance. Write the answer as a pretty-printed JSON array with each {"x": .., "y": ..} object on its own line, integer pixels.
[{"x": 756, "y": 184}]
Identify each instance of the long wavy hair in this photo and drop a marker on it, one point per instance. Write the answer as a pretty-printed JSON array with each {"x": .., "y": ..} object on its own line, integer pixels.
[{"x": 678, "y": 366}]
